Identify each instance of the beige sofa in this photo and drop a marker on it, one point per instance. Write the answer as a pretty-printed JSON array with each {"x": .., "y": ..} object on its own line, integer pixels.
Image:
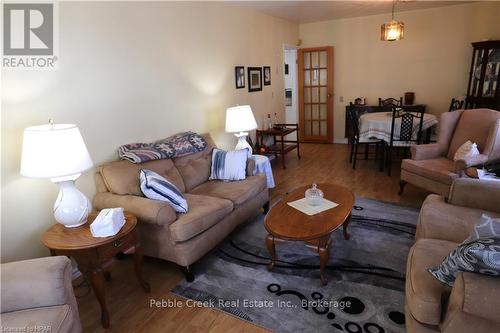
[
  {"x": 37, "y": 296},
  {"x": 215, "y": 207},
  {"x": 473, "y": 304},
  {"x": 432, "y": 167}
]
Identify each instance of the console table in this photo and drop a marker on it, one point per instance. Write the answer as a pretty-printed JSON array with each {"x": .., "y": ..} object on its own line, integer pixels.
[{"x": 281, "y": 146}]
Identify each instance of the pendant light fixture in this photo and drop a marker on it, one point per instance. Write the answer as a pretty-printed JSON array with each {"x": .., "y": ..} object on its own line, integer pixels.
[{"x": 393, "y": 30}]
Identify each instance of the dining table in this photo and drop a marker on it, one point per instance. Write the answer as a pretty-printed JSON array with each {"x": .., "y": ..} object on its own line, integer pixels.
[{"x": 377, "y": 125}]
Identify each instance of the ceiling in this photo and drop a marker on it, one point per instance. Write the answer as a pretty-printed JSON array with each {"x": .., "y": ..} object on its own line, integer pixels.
[{"x": 307, "y": 11}]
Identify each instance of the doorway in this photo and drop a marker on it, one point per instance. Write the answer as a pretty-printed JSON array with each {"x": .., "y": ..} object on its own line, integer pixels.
[{"x": 315, "y": 98}]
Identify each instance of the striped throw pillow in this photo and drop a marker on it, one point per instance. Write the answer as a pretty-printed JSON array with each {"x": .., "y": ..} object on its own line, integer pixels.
[
  {"x": 154, "y": 186},
  {"x": 229, "y": 165}
]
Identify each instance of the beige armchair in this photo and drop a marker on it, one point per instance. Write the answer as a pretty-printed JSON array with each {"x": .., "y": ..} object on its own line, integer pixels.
[
  {"x": 432, "y": 167},
  {"x": 473, "y": 303},
  {"x": 37, "y": 296}
]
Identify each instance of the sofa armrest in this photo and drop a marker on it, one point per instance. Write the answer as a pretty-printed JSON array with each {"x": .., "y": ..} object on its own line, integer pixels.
[
  {"x": 427, "y": 152},
  {"x": 250, "y": 167},
  {"x": 475, "y": 193},
  {"x": 36, "y": 283},
  {"x": 473, "y": 305},
  {"x": 146, "y": 210},
  {"x": 470, "y": 162}
]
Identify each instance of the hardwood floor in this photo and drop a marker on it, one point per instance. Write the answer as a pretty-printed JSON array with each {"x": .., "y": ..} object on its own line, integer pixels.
[{"x": 129, "y": 306}]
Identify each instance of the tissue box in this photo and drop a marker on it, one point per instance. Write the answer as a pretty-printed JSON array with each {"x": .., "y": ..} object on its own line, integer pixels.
[{"x": 108, "y": 222}]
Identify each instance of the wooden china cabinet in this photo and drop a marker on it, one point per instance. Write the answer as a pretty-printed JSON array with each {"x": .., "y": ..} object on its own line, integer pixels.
[{"x": 483, "y": 90}]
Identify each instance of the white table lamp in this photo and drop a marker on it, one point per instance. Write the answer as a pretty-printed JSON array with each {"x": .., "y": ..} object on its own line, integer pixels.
[
  {"x": 239, "y": 120},
  {"x": 57, "y": 151}
]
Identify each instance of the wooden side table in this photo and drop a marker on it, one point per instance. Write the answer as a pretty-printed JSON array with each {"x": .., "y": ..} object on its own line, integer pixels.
[
  {"x": 94, "y": 254},
  {"x": 280, "y": 146}
]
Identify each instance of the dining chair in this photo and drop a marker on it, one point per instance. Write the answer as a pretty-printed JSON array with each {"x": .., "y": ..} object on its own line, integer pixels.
[
  {"x": 388, "y": 103},
  {"x": 407, "y": 134},
  {"x": 456, "y": 104},
  {"x": 353, "y": 115}
]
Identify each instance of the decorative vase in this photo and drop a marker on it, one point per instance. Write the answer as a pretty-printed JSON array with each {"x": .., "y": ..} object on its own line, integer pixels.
[
  {"x": 409, "y": 98},
  {"x": 314, "y": 195}
]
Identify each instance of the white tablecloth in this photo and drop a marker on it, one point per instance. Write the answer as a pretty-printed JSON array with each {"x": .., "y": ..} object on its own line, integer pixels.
[
  {"x": 263, "y": 165},
  {"x": 378, "y": 125}
]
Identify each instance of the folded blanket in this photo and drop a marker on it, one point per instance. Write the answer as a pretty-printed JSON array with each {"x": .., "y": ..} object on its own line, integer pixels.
[{"x": 175, "y": 146}]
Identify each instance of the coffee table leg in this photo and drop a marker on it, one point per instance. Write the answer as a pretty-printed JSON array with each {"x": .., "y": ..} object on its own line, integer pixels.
[
  {"x": 324, "y": 254},
  {"x": 272, "y": 250},
  {"x": 344, "y": 227}
]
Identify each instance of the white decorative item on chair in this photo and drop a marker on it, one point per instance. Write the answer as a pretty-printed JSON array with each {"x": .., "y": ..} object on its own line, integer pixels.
[
  {"x": 58, "y": 152},
  {"x": 239, "y": 120}
]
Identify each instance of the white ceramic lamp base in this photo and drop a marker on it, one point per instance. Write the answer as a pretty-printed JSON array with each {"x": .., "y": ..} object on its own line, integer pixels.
[
  {"x": 243, "y": 143},
  {"x": 72, "y": 207}
]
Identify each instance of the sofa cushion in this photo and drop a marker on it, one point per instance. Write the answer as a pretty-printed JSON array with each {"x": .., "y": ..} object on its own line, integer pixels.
[
  {"x": 122, "y": 177},
  {"x": 473, "y": 125},
  {"x": 155, "y": 187},
  {"x": 204, "y": 212},
  {"x": 424, "y": 294},
  {"x": 440, "y": 220},
  {"x": 439, "y": 169},
  {"x": 57, "y": 318},
  {"x": 195, "y": 168},
  {"x": 238, "y": 192}
]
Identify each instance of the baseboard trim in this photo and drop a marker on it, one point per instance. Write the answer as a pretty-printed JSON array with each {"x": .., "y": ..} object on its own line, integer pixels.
[{"x": 342, "y": 141}]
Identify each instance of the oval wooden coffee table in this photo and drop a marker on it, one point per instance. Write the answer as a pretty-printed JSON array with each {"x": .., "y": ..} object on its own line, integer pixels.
[{"x": 287, "y": 223}]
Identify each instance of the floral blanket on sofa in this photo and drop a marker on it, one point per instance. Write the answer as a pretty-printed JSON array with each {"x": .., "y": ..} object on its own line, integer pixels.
[{"x": 175, "y": 146}]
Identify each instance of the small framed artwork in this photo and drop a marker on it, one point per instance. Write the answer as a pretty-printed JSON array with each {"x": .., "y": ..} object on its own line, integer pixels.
[
  {"x": 254, "y": 78},
  {"x": 239, "y": 76},
  {"x": 267, "y": 75}
]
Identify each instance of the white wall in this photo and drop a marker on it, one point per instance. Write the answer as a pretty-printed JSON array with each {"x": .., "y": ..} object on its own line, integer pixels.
[
  {"x": 291, "y": 112},
  {"x": 433, "y": 60},
  {"x": 132, "y": 71}
]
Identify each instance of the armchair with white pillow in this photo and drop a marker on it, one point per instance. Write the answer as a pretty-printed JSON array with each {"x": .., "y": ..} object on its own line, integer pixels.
[{"x": 433, "y": 167}]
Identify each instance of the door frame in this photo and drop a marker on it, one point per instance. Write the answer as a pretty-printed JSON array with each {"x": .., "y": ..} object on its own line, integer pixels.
[{"x": 329, "y": 91}]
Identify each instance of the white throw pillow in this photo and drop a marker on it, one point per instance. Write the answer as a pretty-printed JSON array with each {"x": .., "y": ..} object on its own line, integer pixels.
[
  {"x": 466, "y": 150},
  {"x": 155, "y": 187},
  {"x": 229, "y": 165}
]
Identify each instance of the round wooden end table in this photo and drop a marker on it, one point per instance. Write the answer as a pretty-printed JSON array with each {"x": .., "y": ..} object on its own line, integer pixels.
[
  {"x": 287, "y": 223},
  {"x": 94, "y": 254}
]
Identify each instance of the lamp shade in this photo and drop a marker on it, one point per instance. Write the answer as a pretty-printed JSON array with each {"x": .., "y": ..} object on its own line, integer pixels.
[
  {"x": 240, "y": 119},
  {"x": 392, "y": 31},
  {"x": 54, "y": 150}
]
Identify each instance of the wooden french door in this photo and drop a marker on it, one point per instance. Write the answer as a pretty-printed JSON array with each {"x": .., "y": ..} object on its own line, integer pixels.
[{"x": 315, "y": 81}]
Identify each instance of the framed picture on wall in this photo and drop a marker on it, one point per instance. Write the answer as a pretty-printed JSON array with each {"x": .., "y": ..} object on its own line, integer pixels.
[
  {"x": 267, "y": 75},
  {"x": 239, "y": 76},
  {"x": 254, "y": 78}
]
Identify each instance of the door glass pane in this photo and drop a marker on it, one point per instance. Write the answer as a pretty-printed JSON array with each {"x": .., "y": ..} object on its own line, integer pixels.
[
  {"x": 307, "y": 95},
  {"x": 315, "y": 78},
  {"x": 307, "y": 77},
  {"x": 307, "y": 111},
  {"x": 322, "y": 111},
  {"x": 315, "y": 112},
  {"x": 315, "y": 95},
  {"x": 315, "y": 128},
  {"x": 307, "y": 59},
  {"x": 323, "y": 77},
  {"x": 323, "y": 130},
  {"x": 307, "y": 128},
  {"x": 322, "y": 59},
  {"x": 315, "y": 59},
  {"x": 322, "y": 95}
]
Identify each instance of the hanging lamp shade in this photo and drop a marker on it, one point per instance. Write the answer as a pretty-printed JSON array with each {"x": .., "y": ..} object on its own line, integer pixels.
[{"x": 391, "y": 31}]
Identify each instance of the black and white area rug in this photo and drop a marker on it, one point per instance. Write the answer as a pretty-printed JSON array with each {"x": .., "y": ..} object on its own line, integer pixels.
[{"x": 366, "y": 276}]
